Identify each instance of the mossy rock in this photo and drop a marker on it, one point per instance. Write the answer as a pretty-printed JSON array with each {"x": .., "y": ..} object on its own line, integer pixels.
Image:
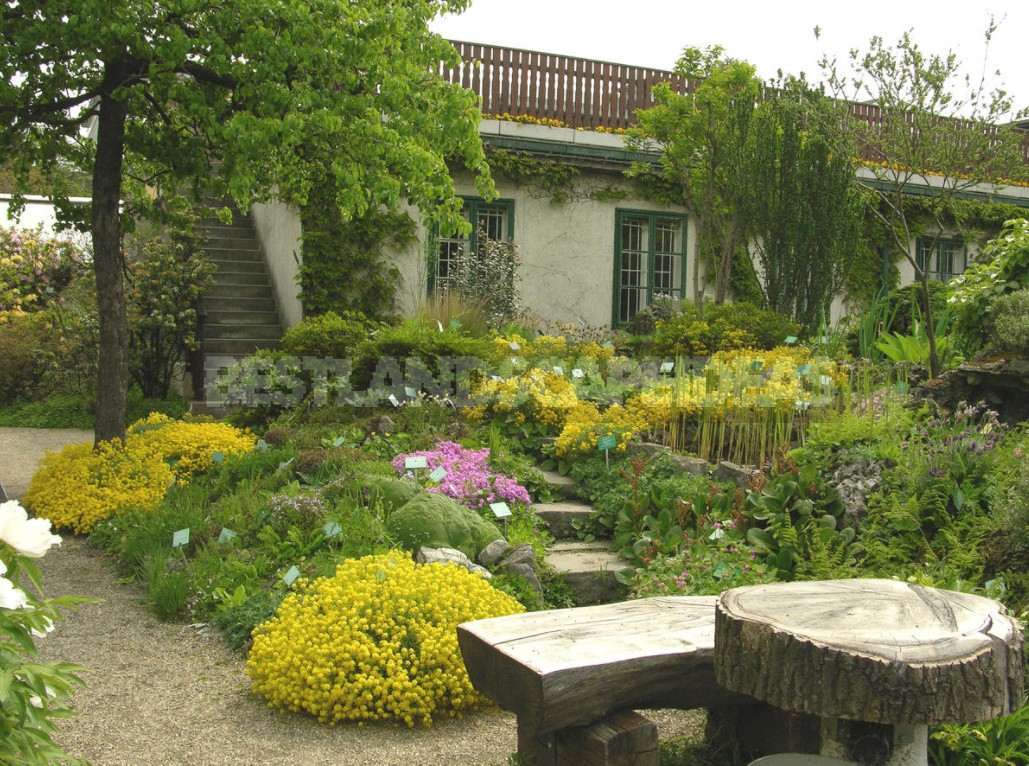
[
  {"x": 391, "y": 492},
  {"x": 437, "y": 521}
]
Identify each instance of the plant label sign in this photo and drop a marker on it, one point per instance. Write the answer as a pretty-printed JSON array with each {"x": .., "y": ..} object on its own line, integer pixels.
[
  {"x": 559, "y": 371},
  {"x": 180, "y": 538},
  {"x": 262, "y": 445},
  {"x": 500, "y": 510},
  {"x": 410, "y": 393},
  {"x": 291, "y": 575},
  {"x": 804, "y": 369},
  {"x": 578, "y": 373},
  {"x": 394, "y": 401},
  {"x": 514, "y": 346},
  {"x": 332, "y": 529},
  {"x": 605, "y": 443},
  {"x": 790, "y": 340},
  {"x": 226, "y": 535},
  {"x": 217, "y": 457},
  {"x": 667, "y": 367},
  {"x": 438, "y": 475},
  {"x": 415, "y": 462}
]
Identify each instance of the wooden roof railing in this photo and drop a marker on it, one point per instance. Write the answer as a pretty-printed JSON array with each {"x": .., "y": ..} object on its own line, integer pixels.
[
  {"x": 580, "y": 93},
  {"x": 583, "y": 93}
]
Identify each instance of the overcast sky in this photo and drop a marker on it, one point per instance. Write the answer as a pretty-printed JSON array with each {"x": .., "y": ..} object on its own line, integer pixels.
[{"x": 770, "y": 35}]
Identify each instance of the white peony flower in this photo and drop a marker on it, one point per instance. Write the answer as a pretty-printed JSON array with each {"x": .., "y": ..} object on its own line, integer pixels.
[
  {"x": 48, "y": 628},
  {"x": 11, "y": 597},
  {"x": 29, "y": 537}
]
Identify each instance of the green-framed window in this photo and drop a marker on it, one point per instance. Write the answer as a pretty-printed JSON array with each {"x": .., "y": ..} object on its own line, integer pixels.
[
  {"x": 941, "y": 259},
  {"x": 492, "y": 220},
  {"x": 650, "y": 260}
]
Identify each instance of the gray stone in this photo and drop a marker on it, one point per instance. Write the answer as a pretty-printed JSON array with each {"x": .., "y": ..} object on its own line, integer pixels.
[
  {"x": 853, "y": 482},
  {"x": 646, "y": 449},
  {"x": 494, "y": 553},
  {"x": 523, "y": 554},
  {"x": 692, "y": 465},
  {"x": 449, "y": 556},
  {"x": 740, "y": 475},
  {"x": 528, "y": 573}
]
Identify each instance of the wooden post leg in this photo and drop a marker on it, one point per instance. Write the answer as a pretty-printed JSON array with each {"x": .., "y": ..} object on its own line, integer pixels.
[
  {"x": 623, "y": 738},
  {"x": 535, "y": 749}
]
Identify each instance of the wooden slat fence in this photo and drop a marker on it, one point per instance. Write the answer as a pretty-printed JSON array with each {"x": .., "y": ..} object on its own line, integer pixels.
[{"x": 581, "y": 93}]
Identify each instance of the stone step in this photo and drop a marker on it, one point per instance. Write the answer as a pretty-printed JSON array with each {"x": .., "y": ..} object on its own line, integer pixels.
[
  {"x": 239, "y": 278},
  {"x": 589, "y": 569},
  {"x": 222, "y": 316},
  {"x": 561, "y": 486},
  {"x": 231, "y": 239},
  {"x": 236, "y": 346},
  {"x": 232, "y": 266},
  {"x": 223, "y": 255},
  {"x": 239, "y": 291},
  {"x": 230, "y": 304},
  {"x": 560, "y": 515},
  {"x": 243, "y": 332}
]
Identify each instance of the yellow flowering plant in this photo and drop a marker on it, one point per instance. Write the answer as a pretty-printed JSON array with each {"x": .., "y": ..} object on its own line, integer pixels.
[
  {"x": 82, "y": 485},
  {"x": 377, "y": 641}
]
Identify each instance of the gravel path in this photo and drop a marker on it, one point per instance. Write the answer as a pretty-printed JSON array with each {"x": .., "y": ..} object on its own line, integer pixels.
[{"x": 166, "y": 694}]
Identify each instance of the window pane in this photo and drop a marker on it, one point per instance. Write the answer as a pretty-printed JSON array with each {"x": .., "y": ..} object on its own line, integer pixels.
[
  {"x": 668, "y": 257},
  {"x": 491, "y": 221}
]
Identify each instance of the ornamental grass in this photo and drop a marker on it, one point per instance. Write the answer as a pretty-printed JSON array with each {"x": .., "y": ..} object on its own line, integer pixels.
[
  {"x": 377, "y": 641},
  {"x": 80, "y": 486}
]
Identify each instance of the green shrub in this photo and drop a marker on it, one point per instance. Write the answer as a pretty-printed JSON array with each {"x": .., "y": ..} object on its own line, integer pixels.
[
  {"x": 167, "y": 276},
  {"x": 1010, "y": 314},
  {"x": 328, "y": 335},
  {"x": 723, "y": 328},
  {"x": 1003, "y": 267},
  {"x": 21, "y": 369},
  {"x": 906, "y": 306},
  {"x": 417, "y": 344}
]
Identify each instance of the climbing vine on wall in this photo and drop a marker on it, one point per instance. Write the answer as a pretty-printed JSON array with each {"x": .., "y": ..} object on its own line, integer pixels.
[
  {"x": 975, "y": 220},
  {"x": 564, "y": 182},
  {"x": 344, "y": 265}
]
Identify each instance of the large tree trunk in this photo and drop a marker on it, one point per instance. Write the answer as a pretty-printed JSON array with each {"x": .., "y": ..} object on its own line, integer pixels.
[{"x": 108, "y": 263}]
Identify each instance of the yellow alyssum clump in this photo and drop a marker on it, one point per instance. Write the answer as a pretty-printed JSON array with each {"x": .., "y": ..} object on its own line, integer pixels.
[
  {"x": 540, "y": 395},
  {"x": 189, "y": 446},
  {"x": 80, "y": 486},
  {"x": 377, "y": 641}
]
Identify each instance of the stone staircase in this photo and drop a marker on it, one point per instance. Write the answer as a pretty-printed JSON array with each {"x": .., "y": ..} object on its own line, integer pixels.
[
  {"x": 241, "y": 311},
  {"x": 588, "y": 568}
]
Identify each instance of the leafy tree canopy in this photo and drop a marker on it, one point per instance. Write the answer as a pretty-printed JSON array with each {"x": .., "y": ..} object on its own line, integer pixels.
[
  {"x": 702, "y": 135},
  {"x": 935, "y": 133},
  {"x": 264, "y": 90}
]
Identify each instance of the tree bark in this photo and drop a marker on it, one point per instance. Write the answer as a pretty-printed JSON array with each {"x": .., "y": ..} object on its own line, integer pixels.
[
  {"x": 108, "y": 261},
  {"x": 881, "y": 651}
]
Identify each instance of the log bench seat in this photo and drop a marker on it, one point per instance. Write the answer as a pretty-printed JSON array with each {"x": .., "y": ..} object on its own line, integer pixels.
[
  {"x": 564, "y": 670},
  {"x": 842, "y": 666}
]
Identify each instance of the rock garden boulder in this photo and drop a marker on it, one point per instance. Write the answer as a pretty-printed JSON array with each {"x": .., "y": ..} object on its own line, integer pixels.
[{"x": 432, "y": 520}]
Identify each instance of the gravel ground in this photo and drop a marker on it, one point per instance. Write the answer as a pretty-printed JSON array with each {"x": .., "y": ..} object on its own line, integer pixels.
[{"x": 163, "y": 694}]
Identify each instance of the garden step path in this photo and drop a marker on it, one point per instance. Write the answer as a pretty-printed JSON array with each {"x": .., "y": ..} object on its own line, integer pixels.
[
  {"x": 560, "y": 517},
  {"x": 589, "y": 569},
  {"x": 562, "y": 486}
]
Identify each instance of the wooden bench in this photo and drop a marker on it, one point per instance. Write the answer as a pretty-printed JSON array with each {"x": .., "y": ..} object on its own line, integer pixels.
[
  {"x": 807, "y": 658},
  {"x": 562, "y": 672}
]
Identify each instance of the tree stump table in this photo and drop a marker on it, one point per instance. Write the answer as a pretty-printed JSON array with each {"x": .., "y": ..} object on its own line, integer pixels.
[{"x": 893, "y": 656}]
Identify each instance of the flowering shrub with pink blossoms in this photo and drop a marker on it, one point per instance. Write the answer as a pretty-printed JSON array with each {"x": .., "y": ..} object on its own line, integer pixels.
[{"x": 469, "y": 478}]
